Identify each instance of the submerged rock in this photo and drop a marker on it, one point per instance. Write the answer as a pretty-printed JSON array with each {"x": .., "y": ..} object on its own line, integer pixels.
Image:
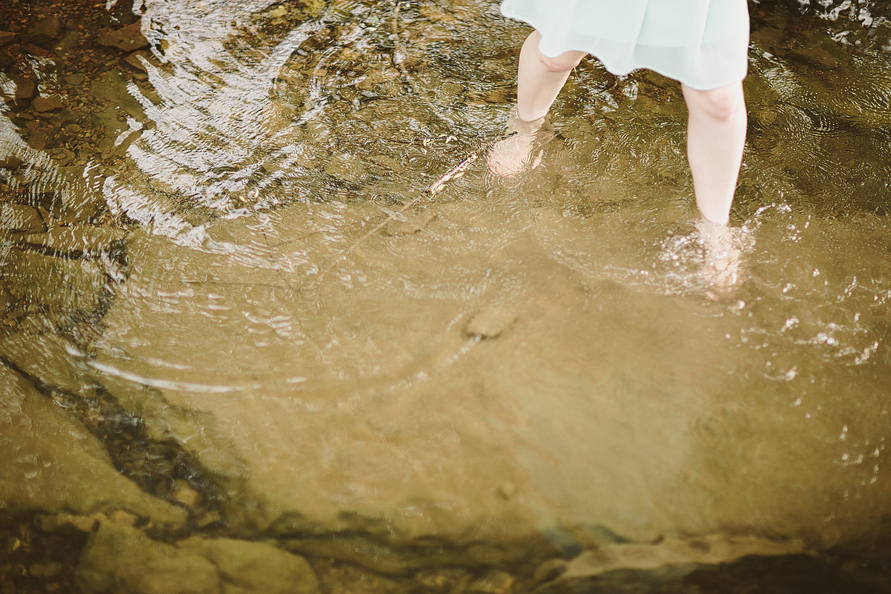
[
  {"x": 36, "y": 279},
  {"x": 123, "y": 560},
  {"x": 53, "y": 465},
  {"x": 254, "y": 567},
  {"x": 492, "y": 582},
  {"x": 409, "y": 445},
  {"x": 41, "y": 138},
  {"x": 673, "y": 553},
  {"x": 128, "y": 39},
  {"x": 138, "y": 59},
  {"x": 68, "y": 42},
  {"x": 10, "y": 162},
  {"x": 112, "y": 89},
  {"x": 78, "y": 239},
  {"x": 491, "y": 321},
  {"x": 624, "y": 567},
  {"x": 67, "y": 522},
  {"x": 44, "y": 104},
  {"x": 45, "y": 31},
  {"x": 25, "y": 90},
  {"x": 20, "y": 217}
]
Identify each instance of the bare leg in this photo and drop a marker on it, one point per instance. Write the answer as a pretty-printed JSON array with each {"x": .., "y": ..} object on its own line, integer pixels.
[
  {"x": 716, "y": 134},
  {"x": 540, "y": 78}
]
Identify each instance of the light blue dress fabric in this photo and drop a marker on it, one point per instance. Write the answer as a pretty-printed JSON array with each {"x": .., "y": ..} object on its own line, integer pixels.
[{"x": 702, "y": 43}]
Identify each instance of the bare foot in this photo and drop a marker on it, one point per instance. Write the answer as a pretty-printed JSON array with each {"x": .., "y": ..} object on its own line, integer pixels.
[
  {"x": 522, "y": 150},
  {"x": 724, "y": 248}
]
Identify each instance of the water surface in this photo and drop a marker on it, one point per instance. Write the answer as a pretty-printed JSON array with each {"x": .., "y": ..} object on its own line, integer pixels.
[{"x": 309, "y": 347}]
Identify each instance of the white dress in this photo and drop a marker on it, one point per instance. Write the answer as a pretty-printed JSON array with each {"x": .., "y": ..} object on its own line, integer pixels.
[{"x": 702, "y": 43}]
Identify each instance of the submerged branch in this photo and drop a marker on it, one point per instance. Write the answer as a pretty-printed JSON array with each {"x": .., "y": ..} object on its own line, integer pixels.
[{"x": 454, "y": 172}]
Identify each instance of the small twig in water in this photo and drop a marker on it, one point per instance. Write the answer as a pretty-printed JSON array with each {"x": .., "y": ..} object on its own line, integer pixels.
[{"x": 454, "y": 172}]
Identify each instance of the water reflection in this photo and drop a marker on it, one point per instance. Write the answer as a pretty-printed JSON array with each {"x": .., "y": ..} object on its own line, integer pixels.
[{"x": 494, "y": 376}]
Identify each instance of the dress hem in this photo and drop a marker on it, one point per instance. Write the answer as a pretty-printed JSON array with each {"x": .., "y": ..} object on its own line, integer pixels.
[{"x": 728, "y": 58}]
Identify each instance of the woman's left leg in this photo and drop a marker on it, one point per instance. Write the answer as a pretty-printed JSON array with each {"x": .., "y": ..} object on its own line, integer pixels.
[{"x": 716, "y": 134}]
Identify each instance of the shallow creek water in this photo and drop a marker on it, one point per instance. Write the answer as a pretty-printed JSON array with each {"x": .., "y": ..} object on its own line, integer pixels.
[{"x": 241, "y": 320}]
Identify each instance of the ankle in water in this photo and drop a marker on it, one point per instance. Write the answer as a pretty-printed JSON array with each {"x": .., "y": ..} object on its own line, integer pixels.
[{"x": 522, "y": 149}]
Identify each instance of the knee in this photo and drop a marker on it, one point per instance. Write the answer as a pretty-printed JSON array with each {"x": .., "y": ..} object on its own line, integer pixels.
[
  {"x": 723, "y": 104},
  {"x": 562, "y": 63}
]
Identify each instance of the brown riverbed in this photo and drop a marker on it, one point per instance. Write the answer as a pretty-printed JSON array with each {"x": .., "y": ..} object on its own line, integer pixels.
[{"x": 245, "y": 350}]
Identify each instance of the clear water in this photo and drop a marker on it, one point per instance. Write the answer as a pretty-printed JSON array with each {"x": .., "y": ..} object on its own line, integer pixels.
[{"x": 553, "y": 354}]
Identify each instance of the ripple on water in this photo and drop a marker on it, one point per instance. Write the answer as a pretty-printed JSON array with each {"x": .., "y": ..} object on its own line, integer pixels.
[{"x": 284, "y": 261}]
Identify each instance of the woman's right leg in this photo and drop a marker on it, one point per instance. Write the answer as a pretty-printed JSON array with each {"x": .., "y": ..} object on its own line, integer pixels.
[{"x": 539, "y": 80}]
